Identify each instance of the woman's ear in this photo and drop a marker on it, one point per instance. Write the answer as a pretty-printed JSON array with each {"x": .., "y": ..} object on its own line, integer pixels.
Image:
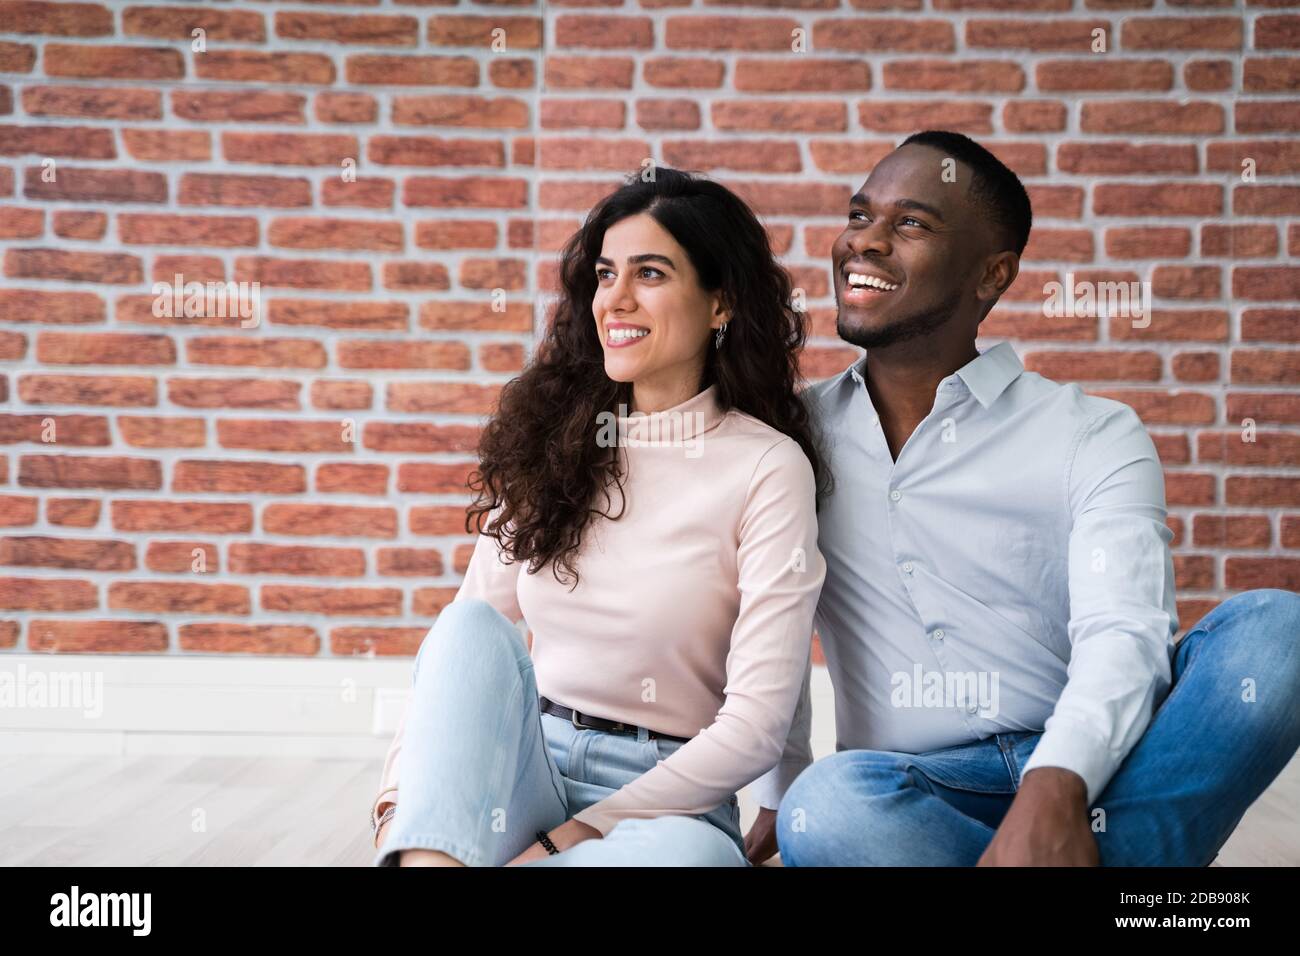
[{"x": 721, "y": 314}]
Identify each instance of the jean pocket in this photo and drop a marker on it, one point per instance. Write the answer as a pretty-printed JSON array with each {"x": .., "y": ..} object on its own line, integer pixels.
[
  {"x": 557, "y": 735},
  {"x": 666, "y": 748}
]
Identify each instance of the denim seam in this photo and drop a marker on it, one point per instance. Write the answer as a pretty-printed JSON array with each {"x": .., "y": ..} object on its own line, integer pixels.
[
  {"x": 1009, "y": 758},
  {"x": 498, "y": 763},
  {"x": 552, "y": 764}
]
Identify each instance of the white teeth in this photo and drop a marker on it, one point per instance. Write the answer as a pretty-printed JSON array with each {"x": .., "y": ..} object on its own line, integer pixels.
[
  {"x": 622, "y": 335},
  {"x": 859, "y": 279}
]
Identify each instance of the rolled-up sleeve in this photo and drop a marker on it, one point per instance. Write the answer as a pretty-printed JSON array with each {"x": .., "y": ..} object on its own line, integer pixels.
[{"x": 1122, "y": 609}]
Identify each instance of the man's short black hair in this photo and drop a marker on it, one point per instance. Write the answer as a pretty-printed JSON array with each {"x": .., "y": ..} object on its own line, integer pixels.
[{"x": 995, "y": 187}]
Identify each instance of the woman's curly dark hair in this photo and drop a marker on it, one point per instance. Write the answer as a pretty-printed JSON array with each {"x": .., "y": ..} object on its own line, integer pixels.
[{"x": 539, "y": 460}]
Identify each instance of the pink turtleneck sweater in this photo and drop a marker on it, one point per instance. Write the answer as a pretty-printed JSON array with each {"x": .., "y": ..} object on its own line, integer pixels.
[{"x": 694, "y": 611}]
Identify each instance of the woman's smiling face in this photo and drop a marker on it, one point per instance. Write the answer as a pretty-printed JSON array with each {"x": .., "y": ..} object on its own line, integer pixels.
[{"x": 653, "y": 318}]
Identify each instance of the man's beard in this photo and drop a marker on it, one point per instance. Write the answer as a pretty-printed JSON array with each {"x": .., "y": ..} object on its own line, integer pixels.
[{"x": 900, "y": 330}]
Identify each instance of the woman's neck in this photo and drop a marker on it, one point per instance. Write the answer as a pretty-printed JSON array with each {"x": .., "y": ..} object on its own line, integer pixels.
[{"x": 649, "y": 397}]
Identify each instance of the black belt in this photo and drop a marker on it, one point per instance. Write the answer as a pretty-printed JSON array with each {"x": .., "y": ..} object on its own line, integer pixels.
[{"x": 588, "y": 722}]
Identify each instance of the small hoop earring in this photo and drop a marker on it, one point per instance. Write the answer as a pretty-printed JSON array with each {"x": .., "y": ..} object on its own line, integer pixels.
[{"x": 721, "y": 333}]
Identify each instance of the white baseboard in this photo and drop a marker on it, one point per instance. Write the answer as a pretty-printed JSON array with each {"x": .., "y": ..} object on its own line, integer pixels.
[
  {"x": 118, "y": 704},
  {"x": 244, "y": 706}
]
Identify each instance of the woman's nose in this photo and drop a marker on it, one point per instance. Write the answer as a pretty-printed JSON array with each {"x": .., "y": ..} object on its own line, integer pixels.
[{"x": 620, "y": 297}]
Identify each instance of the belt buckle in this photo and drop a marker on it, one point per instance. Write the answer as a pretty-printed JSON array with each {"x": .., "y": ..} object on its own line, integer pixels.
[{"x": 573, "y": 719}]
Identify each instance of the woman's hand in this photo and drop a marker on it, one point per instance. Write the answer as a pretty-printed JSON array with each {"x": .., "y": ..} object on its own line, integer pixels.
[
  {"x": 567, "y": 834},
  {"x": 760, "y": 841}
]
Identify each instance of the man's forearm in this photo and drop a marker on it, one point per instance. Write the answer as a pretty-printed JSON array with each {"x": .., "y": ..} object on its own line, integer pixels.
[
  {"x": 1046, "y": 824},
  {"x": 1054, "y": 787}
]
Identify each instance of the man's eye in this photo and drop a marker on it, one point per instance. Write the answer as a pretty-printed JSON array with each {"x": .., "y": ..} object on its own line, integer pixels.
[
  {"x": 912, "y": 219},
  {"x": 854, "y": 213}
]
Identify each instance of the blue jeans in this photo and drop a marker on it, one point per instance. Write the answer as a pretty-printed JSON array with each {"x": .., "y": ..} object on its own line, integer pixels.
[
  {"x": 482, "y": 769},
  {"x": 1207, "y": 754}
]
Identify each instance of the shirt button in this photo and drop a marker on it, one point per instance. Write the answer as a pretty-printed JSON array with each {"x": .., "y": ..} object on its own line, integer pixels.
[
  {"x": 907, "y": 567},
  {"x": 875, "y": 420},
  {"x": 938, "y": 634},
  {"x": 895, "y": 495},
  {"x": 972, "y": 707}
]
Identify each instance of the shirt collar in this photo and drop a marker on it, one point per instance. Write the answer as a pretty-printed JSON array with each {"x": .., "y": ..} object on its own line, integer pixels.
[
  {"x": 693, "y": 417},
  {"x": 986, "y": 376}
]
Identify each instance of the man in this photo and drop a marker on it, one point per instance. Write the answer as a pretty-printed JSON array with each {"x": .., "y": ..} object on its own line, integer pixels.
[{"x": 998, "y": 611}]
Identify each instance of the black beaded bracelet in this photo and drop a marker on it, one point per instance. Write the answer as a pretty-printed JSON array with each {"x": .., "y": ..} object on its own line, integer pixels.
[{"x": 545, "y": 841}]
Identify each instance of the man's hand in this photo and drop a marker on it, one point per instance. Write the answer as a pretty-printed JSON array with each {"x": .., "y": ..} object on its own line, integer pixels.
[
  {"x": 570, "y": 833},
  {"x": 1046, "y": 825},
  {"x": 760, "y": 841}
]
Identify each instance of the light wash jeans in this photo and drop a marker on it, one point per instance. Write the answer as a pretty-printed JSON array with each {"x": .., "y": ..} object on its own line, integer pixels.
[
  {"x": 482, "y": 769},
  {"x": 1207, "y": 754}
]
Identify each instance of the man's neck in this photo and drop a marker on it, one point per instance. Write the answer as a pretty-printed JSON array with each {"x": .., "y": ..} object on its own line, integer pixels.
[{"x": 902, "y": 380}]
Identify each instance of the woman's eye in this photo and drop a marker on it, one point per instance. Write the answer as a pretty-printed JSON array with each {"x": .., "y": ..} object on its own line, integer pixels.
[
  {"x": 601, "y": 273},
  {"x": 649, "y": 269}
]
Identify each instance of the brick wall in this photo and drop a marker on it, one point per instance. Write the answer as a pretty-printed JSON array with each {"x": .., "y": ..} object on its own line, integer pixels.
[{"x": 397, "y": 182}]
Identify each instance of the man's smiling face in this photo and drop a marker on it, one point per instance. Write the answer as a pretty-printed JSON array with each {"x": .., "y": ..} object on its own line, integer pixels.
[{"x": 905, "y": 263}]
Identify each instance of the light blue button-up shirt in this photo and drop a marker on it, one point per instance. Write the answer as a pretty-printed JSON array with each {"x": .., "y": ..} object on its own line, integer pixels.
[{"x": 1009, "y": 572}]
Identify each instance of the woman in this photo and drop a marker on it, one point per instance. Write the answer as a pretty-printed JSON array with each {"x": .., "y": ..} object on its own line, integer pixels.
[{"x": 676, "y": 625}]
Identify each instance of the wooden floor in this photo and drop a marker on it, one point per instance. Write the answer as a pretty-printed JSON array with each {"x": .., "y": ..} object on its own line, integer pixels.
[{"x": 261, "y": 811}]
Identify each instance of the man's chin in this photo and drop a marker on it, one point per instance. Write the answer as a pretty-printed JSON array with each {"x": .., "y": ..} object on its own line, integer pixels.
[
  {"x": 867, "y": 332},
  {"x": 877, "y": 331}
]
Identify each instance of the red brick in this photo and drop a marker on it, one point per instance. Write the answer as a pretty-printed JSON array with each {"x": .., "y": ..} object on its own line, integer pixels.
[
  {"x": 93, "y": 102},
  {"x": 1102, "y": 74},
  {"x": 385, "y": 70},
  {"x": 1106, "y": 366},
  {"x": 370, "y": 29},
  {"x": 179, "y": 23},
  {"x": 96, "y": 185},
  {"x": 244, "y": 106},
  {"x": 255, "y": 66},
  {"x": 57, "y": 19},
  {"x": 179, "y": 597},
  {"x": 1196, "y": 366},
  {"x": 1262, "y": 573},
  {"x": 81, "y": 636},
  {"x": 1276, "y": 492},
  {"x": 115, "y": 268},
  {"x": 172, "y": 230},
  {"x": 224, "y": 189},
  {"x": 255, "y": 558},
  {"x": 47, "y": 594},
  {"x": 1194, "y": 572},
  {"x": 1275, "y": 325},
  {"x": 279, "y": 639},
  {"x": 1231, "y": 531},
  {"x": 349, "y": 521},
  {"x": 80, "y": 224},
  {"x": 679, "y": 72},
  {"x": 520, "y": 33},
  {"x": 1265, "y": 366},
  {"x": 114, "y": 62},
  {"x": 1159, "y": 407},
  {"x": 349, "y": 478}
]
